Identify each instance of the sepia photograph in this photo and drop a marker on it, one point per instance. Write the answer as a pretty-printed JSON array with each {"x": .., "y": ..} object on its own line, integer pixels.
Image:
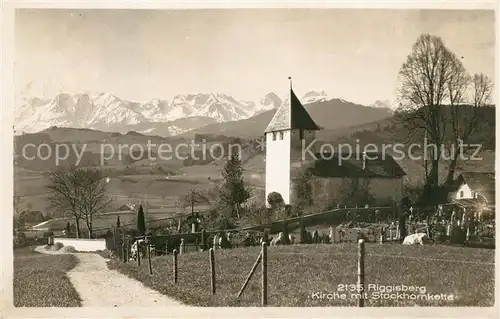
[{"x": 274, "y": 157}]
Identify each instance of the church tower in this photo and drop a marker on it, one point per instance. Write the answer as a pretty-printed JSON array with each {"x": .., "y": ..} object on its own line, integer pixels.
[{"x": 290, "y": 129}]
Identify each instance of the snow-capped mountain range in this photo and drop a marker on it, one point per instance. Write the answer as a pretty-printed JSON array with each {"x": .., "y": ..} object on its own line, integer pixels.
[{"x": 105, "y": 111}]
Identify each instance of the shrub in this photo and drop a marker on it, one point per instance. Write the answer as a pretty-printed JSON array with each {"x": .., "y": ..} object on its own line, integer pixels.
[
  {"x": 68, "y": 249},
  {"x": 457, "y": 235},
  {"x": 275, "y": 199},
  {"x": 108, "y": 254},
  {"x": 20, "y": 240},
  {"x": 57, "y": 246}
]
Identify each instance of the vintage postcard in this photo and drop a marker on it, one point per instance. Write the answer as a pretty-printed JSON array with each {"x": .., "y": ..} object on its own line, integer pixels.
[{"x": 250, "y": 162}]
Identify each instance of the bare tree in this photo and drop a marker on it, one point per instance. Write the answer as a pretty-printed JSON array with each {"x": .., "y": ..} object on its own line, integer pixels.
[
  {"x": 64, "y": 194},
  {"x": 92, "y": 199},
  {"x": 466, "y": 119},
  {"x": 483, "y": 88},
  {"x": 193, "y": 198},
  {"x": 424, "y": 78}
]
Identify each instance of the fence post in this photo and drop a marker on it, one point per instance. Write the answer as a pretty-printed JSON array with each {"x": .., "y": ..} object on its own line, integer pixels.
[
  {"x": 203, "y": 240},
  {"x": 114, "y": 239},
  {"x": 212, "y": 270},
  {"x": 332, "y": 235},
  {"x": 361, "y": 272},
  {"x": 215, "y": 242},
  {"x": 303, "y": 234},
  {"x": 125, "y": 250},
  {"x": 181, "y": 247},
  {"x": 138, "y": 254},
  {"x": 264, "y": 274},
  {"x": 175, "y": 266},
  {"x": 265, "y": 237},
  {"x": 149, "y": 256}
]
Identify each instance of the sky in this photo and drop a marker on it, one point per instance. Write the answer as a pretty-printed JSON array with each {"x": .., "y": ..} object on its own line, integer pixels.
[{"x": 144, "y": 54}]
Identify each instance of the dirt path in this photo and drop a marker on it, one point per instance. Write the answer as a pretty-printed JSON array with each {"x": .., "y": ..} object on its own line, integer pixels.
[{"x": 99, "y": 286}]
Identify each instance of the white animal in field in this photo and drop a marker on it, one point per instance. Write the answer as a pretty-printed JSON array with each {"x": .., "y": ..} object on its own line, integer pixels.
[
  {"x": 416, "y": 239},
  {"x": 291, "y": 238},
  {"x": 278, "y": 240},
  {"x": 134, "y": 248}
]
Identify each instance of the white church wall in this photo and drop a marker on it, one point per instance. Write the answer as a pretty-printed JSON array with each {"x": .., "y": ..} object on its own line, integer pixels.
[{"x": 278, "y": 164}]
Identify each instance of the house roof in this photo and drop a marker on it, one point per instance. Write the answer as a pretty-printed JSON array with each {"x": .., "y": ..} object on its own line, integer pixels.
[
  {"x": 291, "y": 115},
  {"x": 482, "y": 183},
  {"x": 470, "y": 203},
  {"x": 342, "y": 165}
]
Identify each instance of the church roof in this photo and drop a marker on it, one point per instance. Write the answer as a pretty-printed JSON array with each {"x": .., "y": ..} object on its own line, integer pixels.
[
  {"x": 351, "y": 165},
  {"x": 291, "y": 115}
]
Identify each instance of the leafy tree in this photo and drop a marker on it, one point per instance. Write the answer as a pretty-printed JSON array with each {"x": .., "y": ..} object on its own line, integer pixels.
[
  {"x": 141, "y": 222},
  {"x": 275, "y": 200},
  {"x": 233, "y": 192}
]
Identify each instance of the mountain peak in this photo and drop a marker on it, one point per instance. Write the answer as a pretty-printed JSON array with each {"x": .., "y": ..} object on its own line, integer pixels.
[
  {"x": 382, "y": 104},
  {"x": 312, "y": 96}
]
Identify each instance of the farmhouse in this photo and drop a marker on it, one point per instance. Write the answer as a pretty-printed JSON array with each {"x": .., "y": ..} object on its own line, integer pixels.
[
  {"x": 475, "y": 190},
  {"x": 292, "y": 131},
  {"x": 476, "y": 185}
]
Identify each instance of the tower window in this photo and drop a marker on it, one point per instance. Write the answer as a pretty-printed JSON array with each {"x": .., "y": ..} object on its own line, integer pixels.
[
  {"x": 461, "y": 194},
  {"x": 281, "y": 135},
  {"x": 274, "y": 136}
]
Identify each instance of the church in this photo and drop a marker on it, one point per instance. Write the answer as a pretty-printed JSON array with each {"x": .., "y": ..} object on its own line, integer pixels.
[{"x": 291, "y": 131}]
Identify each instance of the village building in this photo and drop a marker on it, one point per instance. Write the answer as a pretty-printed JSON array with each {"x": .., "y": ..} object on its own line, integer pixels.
[
  {"x": 475, "y": 191},
  {"x": 291, "y": 147}
]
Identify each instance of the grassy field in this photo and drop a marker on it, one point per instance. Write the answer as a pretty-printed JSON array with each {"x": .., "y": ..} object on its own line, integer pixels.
[
  {"x": 296, "y": 273},
  {"x": 41, "y": 281}
]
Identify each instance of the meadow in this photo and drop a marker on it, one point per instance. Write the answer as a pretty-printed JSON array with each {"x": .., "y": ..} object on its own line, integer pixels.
[
  {"x": 297, "y": 272},
  {"x": 41, "y": 280}
]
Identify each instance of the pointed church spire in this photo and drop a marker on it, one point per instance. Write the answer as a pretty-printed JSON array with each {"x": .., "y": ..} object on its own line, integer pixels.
[{"x": 291, "y": 115}]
